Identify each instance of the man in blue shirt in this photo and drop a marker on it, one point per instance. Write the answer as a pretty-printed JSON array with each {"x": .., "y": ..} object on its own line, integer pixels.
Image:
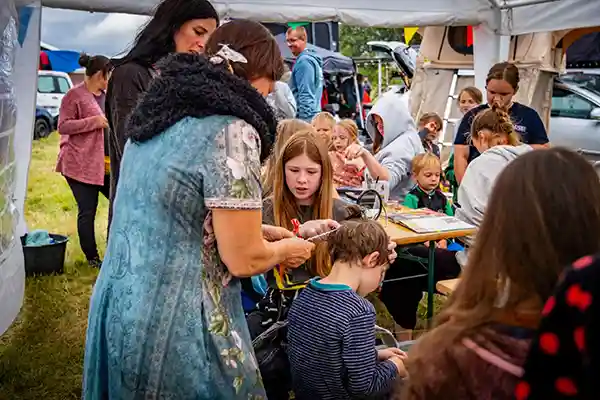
[{"x": 307, "y": 75}]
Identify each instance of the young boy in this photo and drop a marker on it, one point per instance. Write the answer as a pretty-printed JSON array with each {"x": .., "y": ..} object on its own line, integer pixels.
[
  {"x": 426, "y": 172},
  {"x": 430, "y": 125},
  {"x": 331, "y": 331}
]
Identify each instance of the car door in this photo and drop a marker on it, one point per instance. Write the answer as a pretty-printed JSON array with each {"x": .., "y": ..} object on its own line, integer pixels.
[
  {"x": 46, "y": 91},
  {"x": 571, "y": 124}
]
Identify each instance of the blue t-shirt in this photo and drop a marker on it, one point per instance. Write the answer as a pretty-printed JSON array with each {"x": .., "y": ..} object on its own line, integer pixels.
[{"x": 528, "y": 125}]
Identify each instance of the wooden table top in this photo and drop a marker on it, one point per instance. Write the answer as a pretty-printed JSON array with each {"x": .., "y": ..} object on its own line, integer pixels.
[
  {"x": 448, "y": 286},
  {"x": 404, "y": 236}
]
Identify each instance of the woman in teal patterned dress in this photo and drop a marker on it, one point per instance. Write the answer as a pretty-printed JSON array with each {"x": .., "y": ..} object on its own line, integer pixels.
[{"x": 166, "y": 320}]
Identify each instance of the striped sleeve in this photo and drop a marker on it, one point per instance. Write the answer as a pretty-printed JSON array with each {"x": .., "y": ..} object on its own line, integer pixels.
[{"x": 366, "y": 375}]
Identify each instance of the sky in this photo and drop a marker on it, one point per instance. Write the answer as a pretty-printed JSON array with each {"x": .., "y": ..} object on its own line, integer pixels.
[{"x": 93, "y": 33}]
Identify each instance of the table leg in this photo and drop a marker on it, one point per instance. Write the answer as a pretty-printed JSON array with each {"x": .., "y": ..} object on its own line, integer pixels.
[{"x": 431, "y": 281}]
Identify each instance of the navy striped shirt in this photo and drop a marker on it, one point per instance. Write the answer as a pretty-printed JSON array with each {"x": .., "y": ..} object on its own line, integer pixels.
[{"x": 331, "y": 335}]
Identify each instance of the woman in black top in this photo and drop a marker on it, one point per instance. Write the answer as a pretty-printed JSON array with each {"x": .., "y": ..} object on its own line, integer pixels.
[
  {"x": 502, "y": 84},
  {"x": 177, "y": 26}
]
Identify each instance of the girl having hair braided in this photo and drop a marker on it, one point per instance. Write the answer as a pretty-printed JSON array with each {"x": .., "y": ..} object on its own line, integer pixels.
[
  {"x": 493, "y": 127},
  {"x": 502, "y": 84}
]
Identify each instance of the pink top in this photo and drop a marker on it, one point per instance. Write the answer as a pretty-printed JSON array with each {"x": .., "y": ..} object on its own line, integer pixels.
[
  {"x": 346, "y": 173},
  {"x": 81, "y": 155}
]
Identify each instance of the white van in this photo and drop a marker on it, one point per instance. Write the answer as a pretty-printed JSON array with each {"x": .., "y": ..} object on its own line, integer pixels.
[{"x": 51, "y": 88}]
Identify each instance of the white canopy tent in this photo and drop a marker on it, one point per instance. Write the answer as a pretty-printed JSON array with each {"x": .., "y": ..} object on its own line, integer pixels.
[
  {"x": 20, "y": 42},
  {"x": 507, "y": 17}
]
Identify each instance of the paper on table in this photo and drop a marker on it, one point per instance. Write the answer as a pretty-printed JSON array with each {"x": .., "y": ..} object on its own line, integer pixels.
[{"x": 427, "y": 221}]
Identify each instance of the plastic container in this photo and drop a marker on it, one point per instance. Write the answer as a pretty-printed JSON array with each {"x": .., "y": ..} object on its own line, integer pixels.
[{"x": 46, "y": 259}]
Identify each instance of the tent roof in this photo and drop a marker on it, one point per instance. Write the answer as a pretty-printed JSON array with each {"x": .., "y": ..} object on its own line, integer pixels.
[
  {"x": 332, "y": 62},
  {"x": 354, "y": 12},
  {"x": 539, "y": 16}
]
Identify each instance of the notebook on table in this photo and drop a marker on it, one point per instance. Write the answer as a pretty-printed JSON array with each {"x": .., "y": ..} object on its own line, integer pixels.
[{"x": 423, "y": 220}]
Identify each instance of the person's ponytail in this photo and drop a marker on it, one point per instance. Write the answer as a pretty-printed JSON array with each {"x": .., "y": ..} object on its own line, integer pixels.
[
  {"x": 505, "y": 125},
  {"x": 84, "y": 60},
  {"x": 95, "y": 64}
]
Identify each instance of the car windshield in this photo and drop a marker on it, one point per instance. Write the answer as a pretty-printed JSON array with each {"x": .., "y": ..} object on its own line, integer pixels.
[
  {"x": 52, "y": 84},
  {"x": 589, "y": 82}
]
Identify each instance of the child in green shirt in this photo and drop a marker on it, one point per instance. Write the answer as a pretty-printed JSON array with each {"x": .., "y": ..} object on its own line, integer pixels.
[{"x": 426, "y": 172}]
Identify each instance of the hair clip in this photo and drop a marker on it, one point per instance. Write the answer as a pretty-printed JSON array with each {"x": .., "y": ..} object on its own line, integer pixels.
[
  {"x": 231, "y": 55},
  {"x": 228, "y": 55}
]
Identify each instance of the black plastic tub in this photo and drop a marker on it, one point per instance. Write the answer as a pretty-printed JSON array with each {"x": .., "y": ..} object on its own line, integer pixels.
[{"x": 46, "y": 259}]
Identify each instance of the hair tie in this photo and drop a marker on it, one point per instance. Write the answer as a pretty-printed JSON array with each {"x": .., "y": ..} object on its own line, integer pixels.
[{"x": 228, "y": 55}]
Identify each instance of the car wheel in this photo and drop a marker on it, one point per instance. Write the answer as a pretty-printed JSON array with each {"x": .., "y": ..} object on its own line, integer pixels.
[{"x": 42, "y": 129}]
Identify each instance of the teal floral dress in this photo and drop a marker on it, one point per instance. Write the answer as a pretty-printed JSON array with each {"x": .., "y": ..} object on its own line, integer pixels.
[{"x": 166, "y": 320}]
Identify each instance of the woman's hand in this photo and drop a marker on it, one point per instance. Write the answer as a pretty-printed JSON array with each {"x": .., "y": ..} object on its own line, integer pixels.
[
  {"x": 353, "y": 151},
  {"x": 295, "y": 251},
  {"x": 317, "y": 227},
  {"x": 101, "y": 121},
  {"x": 274, "y": 233}
]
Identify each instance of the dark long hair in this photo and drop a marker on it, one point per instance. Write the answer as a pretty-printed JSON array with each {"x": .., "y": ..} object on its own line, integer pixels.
[
  {"x": 189, "y": 85},
  {"x": 155, "y": 40}
]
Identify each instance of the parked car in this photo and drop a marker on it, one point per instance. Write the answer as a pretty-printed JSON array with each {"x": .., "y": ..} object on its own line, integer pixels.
[
  {"x": 575, "y": 119},
  {"x": 51, "y": 88},
  {"x": 44, "y": 123},
  {"x": 588, "y": 79}
]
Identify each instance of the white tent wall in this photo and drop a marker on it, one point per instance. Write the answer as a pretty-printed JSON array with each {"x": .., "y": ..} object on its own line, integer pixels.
[
  {"x": 17, "y": 94},
  {"x": 551, "y": 15}
]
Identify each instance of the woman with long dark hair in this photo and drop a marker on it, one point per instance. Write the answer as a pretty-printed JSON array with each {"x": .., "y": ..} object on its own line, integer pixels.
[
  {"x": 178, "y": 26},
  {"x": 81, "y": 125},
  {"x": 166, "y": 320}
]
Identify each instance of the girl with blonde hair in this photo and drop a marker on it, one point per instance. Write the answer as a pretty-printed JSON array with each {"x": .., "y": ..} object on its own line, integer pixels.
[
  {"x": 345, "y": 172},
  {"x": 303, "y": 192}
]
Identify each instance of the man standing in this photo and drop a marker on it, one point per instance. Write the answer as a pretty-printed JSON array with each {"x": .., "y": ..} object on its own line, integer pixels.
[{"x": 307, "y": 75}]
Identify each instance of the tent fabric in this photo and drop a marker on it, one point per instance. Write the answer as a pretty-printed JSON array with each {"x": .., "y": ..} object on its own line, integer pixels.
[
  {"x": 19, "y": 30},
  {"x": 64, "y": 60},
  {"x": 586, "y": 50},
  {"x": 384, "y": 13},
  {"x": 543, "y": 16},
  {"x": 332, "y": 62}
]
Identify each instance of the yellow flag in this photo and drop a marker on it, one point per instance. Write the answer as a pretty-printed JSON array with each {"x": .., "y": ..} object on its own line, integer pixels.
[{"x": 409, "y": 32}]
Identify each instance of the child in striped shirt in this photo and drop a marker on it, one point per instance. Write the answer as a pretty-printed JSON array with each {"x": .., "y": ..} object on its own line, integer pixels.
[{"x": 331, "y": 331}]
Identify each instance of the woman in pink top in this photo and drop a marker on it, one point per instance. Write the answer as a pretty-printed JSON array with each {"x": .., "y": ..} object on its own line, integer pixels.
[{"x": 81, "y": 124}]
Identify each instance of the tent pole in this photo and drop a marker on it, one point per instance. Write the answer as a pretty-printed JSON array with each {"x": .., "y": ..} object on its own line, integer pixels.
[
  {"x": 359, "y": 102},
  {"x": 510, "y": 4},
  {"x": 379, "y": 78},
  {"x": 387, "y": 75}
]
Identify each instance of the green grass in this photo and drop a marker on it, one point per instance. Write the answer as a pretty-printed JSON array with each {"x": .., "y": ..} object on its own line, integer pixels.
[{"x": 41, "y": 355}]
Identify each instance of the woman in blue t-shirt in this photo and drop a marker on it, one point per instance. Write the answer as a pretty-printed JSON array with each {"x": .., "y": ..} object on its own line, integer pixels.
[{"x": 502, "y": 84}]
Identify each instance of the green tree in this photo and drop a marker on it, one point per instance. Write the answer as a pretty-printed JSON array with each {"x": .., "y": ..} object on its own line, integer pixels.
[
  {"x": 353, "y": 39},
  {"x": 353, "y": 43}
]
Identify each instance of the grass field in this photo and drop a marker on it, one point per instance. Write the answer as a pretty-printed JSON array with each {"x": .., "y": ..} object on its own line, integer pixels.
[{"x": 41, "y": 356}]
